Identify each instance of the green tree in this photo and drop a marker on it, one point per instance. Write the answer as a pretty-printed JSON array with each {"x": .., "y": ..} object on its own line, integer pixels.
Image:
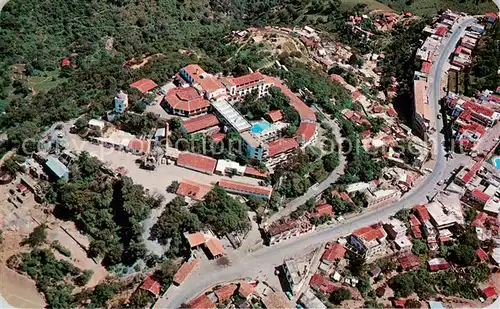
[
  {"x": 419, "y": 247},
  {"x": 37, "y": 237},
  {"x": 339, "y": 295},
  {"x": 101, "y": 294}
]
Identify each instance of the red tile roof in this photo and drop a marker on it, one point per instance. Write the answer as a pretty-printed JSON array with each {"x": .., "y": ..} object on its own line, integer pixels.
[
  {"x": 210, "y": 84},
  {"x": 196, "y": 124},
  {"x": 479, "y": 219},
  {"x": 468, "y": 176},
  {"x": 214, "y": 246},
  {"x": 184, "y": 271},
  {"x": 253, "y": 172},
  {"x": 323, "y": 209},
  {"x": 323, "y": 284},
  {"x": 399, "y": 303},
  {"x": 218, "y": 137},
  {"x": 438, "y": 264},
  {"x": 197, "y": 162},
  {"x": 186, "y": 99},
  {"x": 245, "y": 289},
  {"x": 247, "y": 80},
  {"x": 489, "y": 292},
  {"x": 477, "y": 108},
  {"x": 441, "y": 31},
  {"x": 192, "y": 189},
  {"x": 426, "y": 67},
  {"x": 195, "y": 71},
  {"x": 139, "y": 145},
  {"x": 306, "y": 132},
  {"x": 409, "y": 261},
  {"x": 201, "y": 302},
  {"x": 480, "y": 195},
  {"x": 151, "y": 285},
  {"x": 245, "y": 188},
  {"x": 458, "y": 50},
  {"x": 377, "y": 109},
  {"x": 334, "y": 252},
  {"x": 422, "y": 212},
  {"x": 491, "y": 15},
  {"x": 225, "y": 292},
  {"x": 370, "y": 233},
  {"x": 275, "y": 115},
  {"x": 392, "y": 112},
  {"x": 65, "y": 62},
  {"x": 282, "y": 145},
  {"x": 305, "y": 112},
  {"x": 414, "y": 221},
  {"x": 196, "y": 239},
  {"x": 144, "y": 85},
  {"x": 483, "y": 256}
]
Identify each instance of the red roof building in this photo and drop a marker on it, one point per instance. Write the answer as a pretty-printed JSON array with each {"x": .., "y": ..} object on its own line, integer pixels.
[
  {"x": 282, "y": 145},
  {"x": 479, "y": 196},
  {"x": 245, "y": 289},
  {"x": 275, "y": 115},
  {"x": 193, "y": 73},
  {"x": 218, "y": 137},
  {"x": 426, "y": 67},
  {"x": 184, "y": 271},
  {"x": 369, "y": 233},
  {"x": 399, "y": 303},
  {"x": 336, "y": 251},
  {"x": 151, "y": 285},
  {"x": 479, "y": 219},
  {"x": 483, "y": 256},
  {"x": 197, "y": 162},
  {"x": 139, "y": 145},
  {"x": 489, "y": 292},
  {"x": 193, "y": 189},
  {"x": 65, "y": 62},
  {"x": 185, "y": 102},
  {"x": 253, "y": 172},
  {"x": 392, "y": 112},
  {"x": 440, "y": 31},
  {"x": 199, "y": 123},
  {"x": 226, "y": 292},
  {"x": 306, "y": 132},
  {"x": 245, "y": 189},
  {"x": 409, "y": 261},
  {"x": 201, "y": 302},
  {"x": 248, "y": 80},
  {"x": 323, "y": 284},
  {"x": 422, "y": 213},
  {"x": 215, "y": 247},
  {"x": 471, "y": 173},
  {"x": 144, "y": 85},
  {"x": 305, "y": 112},
  {"x": 323, "y": 209},
  {"x": 436, "y": 264}
]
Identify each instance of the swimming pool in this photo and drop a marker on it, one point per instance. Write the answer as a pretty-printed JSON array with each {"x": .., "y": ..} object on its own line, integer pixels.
[
  {"x": 258, "y": 127},
  {"x": 496, "y": 162}
]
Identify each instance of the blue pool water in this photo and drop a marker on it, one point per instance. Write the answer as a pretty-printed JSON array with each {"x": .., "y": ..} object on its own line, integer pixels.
[
  {"x": 496, "y": 162},
  {"x": 260, "y": 126}
]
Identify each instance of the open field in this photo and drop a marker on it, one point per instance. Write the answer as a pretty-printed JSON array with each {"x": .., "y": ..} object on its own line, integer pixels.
[
  {"x": 432, "y": 7},
  {"x": 371, "y": 5}
]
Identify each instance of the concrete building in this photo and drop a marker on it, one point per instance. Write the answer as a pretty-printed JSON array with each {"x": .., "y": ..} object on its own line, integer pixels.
[
  {"x": 422, "y": 117},
  {"x": 57, "y": 169},
  {"x": 287, "y": 228},
  {"x": 97, "y": 125},
  {"x": 245, "y": 189},
  {"x": 311, "y": 301},
  {"x": 121, "y": 102},
  {"x": 381, "y": 197},
  {"x": 230, "y": 117},
  {"x": 370, "y": 241},
  {"x": 295, "y": 273}
]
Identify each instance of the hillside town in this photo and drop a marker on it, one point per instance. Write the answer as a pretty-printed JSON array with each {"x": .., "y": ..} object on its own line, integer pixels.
[{"x": 297, "y": 184}]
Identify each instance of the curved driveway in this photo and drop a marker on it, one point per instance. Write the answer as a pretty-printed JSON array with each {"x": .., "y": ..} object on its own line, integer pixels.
[{"x": 251, "y": 264}]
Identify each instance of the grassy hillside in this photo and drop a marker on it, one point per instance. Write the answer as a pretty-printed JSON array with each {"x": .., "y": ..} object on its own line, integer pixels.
[{"x": 432, "y": 7}]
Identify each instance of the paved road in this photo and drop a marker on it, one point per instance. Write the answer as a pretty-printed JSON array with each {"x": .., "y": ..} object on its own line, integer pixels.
[
  {"x": 250, "y": 265},
  {"x": 325, "y": 184}
]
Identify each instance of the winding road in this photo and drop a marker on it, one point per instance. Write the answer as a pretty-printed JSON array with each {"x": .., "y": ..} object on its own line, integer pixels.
[{"x": 250, "y": 264}]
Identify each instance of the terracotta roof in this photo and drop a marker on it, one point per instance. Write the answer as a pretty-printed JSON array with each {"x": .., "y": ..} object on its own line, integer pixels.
[
  {"x": 305, "y": 132},
  {"x": 247, "y": 80},
  {"x": 409, "y": 261},
  {"x": 218, "y": 137},
  {"x": 282, "y": 145},
  {"x": 422, "y": 212},
  {"x": 251, "y": 171},
  {"x": 196, "y": 239},
  {"x": 245, "y": 289},
  {"x": 281, "y": 226},
  {"x": 480, "y": 195},
  {"x": 226, "y": 291},
  {"x": 334, "y": 252},
  {"x": 477, "y": 108},
  {"x": 199, "y": 123},
  {"x": 195, "y": 71},
  {"x": 483, "y": 256},
  {"x": 214, "y": 246},
  {"x": 305, "y": 112},
  {"x": 441, "y": 31},
  {"x": 414, "y": 221},
  {"x": 392, "y": 112},
  {"x": 139, "y": 145},
  {"x": 151, "y": 285},
  {"x": 144, "y": 85},
  {"x": 184, "y": 271},
  {"x": 491, "y": 15},
  {"x": 65, "y": 62},
  {"x": 210, "y": 84},
  {"x": 323, "y": 209},
  {"x": 196, "y": 162},
  {"x": 479, "y": 219},
  {"x": 323, "y": 284},
  {"x": 201, "y": 302},
  {"x": 193, "y": 189},
  {"x": 343, "y": 196},
  {"x": 245, "y": 188},
  {"x": 275, "y": 115},
  {"x": 370, "y": 233},
  {"x": 377, "y": 108},
  {"x": 185, "y": 99},
  {"x": 277, "y": 300},
  {"x": 399, "y": 303},
  {"x": 426, "y": 67}
]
